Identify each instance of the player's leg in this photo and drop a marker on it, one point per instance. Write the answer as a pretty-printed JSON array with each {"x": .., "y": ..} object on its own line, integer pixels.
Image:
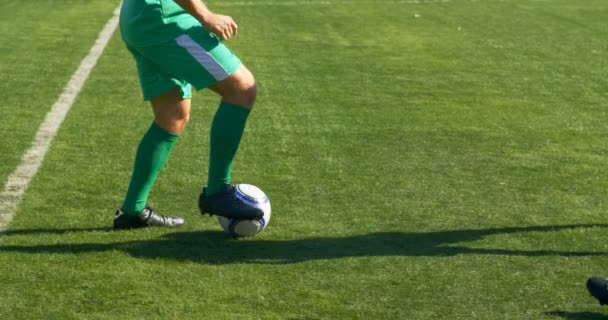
[
  {"x": 238, "y": 93},
  {"x": 598, "y": 287},
  {"x": 171, "y": 114},
  {"x": 216, "y": 67},
  {"x": 171, "y": 107}
]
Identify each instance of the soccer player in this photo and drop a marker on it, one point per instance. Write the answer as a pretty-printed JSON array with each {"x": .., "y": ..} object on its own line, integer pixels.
[
  {"x": 177, "y": 45},
  {"x": 598, "y": 287}
]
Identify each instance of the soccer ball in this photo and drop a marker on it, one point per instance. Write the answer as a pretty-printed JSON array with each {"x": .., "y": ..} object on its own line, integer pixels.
[{"x": 248, "y": 228}]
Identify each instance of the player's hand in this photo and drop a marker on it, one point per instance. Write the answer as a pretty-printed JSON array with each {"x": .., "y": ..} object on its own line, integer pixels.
[{"x": 223, "y": 26}]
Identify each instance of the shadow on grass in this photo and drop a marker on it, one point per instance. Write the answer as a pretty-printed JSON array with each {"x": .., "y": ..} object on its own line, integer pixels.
[
  {"x": 215, "y": 248},
  {"x": 51, "y": 231},
  {"x": 578, "y": 315}
]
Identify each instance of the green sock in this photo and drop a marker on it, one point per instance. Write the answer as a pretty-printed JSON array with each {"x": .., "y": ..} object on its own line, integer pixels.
[
  {"x": 226, "y": 132},
  {"x": 152, "y": 154}
]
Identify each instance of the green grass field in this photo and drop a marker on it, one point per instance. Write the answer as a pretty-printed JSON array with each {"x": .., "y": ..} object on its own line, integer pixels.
[{"x": 424, "y": 159}]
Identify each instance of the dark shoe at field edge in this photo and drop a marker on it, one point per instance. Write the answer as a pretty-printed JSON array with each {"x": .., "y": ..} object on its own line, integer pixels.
[{"x": 598, "y": 288}]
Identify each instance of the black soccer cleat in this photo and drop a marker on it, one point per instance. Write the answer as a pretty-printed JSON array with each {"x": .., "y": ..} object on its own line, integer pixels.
[
  {"x": 147, "y": 218},
  {"x": 598, "y": 287},
  {"x": 227, "y": 204}
]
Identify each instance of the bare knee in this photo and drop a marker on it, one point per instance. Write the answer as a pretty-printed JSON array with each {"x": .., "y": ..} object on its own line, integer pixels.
[
  {"x": 174, "y": 121},
  {"x": 171, "y": 111},
  {"x": 180, "y": 117},
  {"x": 240, "y": 88},
  {"x": 248, "y": 94}
]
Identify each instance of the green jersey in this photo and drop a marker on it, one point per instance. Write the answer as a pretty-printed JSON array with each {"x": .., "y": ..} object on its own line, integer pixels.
[{"x": 149, "y": 22}]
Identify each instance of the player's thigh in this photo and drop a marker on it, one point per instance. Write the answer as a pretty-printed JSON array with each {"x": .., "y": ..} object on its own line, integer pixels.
[
  {"x": 154, "y": 80},
  {"x": 196, "y": 57}
]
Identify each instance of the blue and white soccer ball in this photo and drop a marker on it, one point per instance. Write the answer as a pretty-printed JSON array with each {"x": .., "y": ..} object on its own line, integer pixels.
[{"x": 248, "y": 228}]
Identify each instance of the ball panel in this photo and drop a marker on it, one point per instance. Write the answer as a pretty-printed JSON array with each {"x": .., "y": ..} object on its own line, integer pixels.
[
  {"x": 242, "y": 228},
  {"x": 247, "y": 228},
  {"x": 251, "y": 193}
]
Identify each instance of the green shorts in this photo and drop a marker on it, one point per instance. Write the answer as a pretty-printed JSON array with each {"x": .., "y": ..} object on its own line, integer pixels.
[{"x": 171, "y": 49}]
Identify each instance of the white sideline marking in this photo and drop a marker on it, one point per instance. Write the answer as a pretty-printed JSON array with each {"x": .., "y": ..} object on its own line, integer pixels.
[{"x": 19, "y": 180}]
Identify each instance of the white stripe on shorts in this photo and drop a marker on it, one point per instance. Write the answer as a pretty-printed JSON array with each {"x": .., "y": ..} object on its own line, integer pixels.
[{"x": 203, "y": 57}]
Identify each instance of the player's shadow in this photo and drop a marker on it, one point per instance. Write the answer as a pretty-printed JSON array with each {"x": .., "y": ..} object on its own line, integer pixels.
[
  {"x": 51, "y": 231},
  {"x": 578, "y": 315},
  {"x": 216, "y": 248}
]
